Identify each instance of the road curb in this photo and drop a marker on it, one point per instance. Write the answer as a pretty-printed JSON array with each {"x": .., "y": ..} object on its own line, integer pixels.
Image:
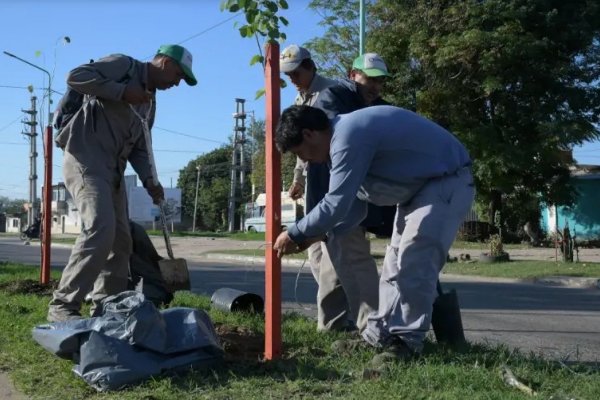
[
  {"x": 290, "y": 262},
  {"x": 569, "y": 281},
  {"x": 564, "y": 281}
]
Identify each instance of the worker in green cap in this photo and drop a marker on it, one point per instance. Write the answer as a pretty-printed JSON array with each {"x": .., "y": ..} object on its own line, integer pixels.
[{"x": 104, "y": 133}]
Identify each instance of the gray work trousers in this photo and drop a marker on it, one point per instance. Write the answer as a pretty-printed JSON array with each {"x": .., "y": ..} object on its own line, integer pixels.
[
  {"x": 424, "y": 231},
  {"x": 99, "y": 261},
  {"x": 348, "y": 280}
]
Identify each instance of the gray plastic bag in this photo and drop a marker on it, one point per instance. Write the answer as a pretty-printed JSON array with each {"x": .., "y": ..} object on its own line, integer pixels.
[{"x": 132, "y": 341}]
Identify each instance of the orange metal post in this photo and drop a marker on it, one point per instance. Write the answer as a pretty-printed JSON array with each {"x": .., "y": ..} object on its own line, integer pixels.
[
  {"x": 47, "y": 210},
  {"x": 273, "y": 210}
]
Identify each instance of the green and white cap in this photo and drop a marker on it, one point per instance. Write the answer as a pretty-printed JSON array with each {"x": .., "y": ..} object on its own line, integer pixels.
[
  {"x": 182, "y": 57},
  {"x": 371, "y": 64}
]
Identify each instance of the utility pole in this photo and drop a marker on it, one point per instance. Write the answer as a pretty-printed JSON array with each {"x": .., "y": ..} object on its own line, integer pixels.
[
  {"x": 32, "y": 122},
  {"x": 252, "y": 149},
  {"x": 361, "y": 35},
  {"x": 196, "y": 199},
  {"x": 47, "y": 190},
  {"x": 238, "y": 139}
]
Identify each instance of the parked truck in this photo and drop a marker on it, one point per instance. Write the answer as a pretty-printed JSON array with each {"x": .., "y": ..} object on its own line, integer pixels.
[{"x": 291, "y": 211}]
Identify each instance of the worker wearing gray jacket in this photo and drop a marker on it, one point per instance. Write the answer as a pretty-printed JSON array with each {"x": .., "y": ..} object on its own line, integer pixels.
[
  {"x": 332, "y": 305},
  {"x": 386, "y": 156},
  {"x": 98, "y": 141}
]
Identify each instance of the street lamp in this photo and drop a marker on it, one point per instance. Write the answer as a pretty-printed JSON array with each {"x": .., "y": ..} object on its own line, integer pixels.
[
  {"x": 196, "y": 199},
  {"x": 47, "y": 194},
  {"x": 49, "y": 81}
]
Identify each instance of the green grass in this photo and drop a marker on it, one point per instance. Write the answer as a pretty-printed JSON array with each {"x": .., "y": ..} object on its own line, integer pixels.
[
  {"x": 525, "y": 269},
  {"x": 260, "y": 252},
  {"x": 459, "y": 244},
  {"x": 257, "y": 252},
  {"x": 513, "y": 269},
  {"x": 308, "y": 369}
]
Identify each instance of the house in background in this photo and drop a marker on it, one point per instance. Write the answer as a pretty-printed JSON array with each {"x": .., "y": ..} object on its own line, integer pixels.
[
  {"x": 583, "y": 219},
  {"x": 13, "y": 224},
  {"x": 66, "y": 218}
]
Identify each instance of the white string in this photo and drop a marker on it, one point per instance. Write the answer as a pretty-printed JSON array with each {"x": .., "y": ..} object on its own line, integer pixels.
[
  {"x": 296, "y": 281},
  {"x": 306, "y": 308}
]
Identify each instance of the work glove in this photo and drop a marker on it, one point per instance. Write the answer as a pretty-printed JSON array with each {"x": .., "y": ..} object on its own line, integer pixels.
[{"x": 155, "y": 191}]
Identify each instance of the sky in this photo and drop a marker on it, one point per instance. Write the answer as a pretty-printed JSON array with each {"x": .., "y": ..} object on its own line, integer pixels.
[{"x": 190, "y": 121}]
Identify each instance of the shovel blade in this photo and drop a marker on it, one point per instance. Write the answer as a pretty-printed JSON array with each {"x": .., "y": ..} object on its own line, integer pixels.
[
  {"x": 446, "y": 320},
  {"x": 175, "y": 274}
]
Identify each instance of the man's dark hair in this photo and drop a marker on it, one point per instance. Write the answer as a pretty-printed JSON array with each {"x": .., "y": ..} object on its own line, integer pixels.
[
  {"x": 308, "y": 64},
  {"x": 293, "y": 120}
]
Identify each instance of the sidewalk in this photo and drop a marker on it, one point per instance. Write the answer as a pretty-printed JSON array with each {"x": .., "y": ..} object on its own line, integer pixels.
[
  {"x": 7, "y": 389},
  {"x": 193, "y": 247}
]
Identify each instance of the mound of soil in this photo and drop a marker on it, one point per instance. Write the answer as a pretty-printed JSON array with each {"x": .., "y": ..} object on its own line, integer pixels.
[
  {"x": 240, "y": 343},
  {"x": 29, "y": 286}
]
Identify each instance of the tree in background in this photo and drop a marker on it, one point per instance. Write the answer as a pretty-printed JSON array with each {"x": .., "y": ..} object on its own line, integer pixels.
[
  {"x": 213, "y": 188},
  {"x": 12, "y": 206},
  {"x": 515, "y": 80},
  {"x": 338, "y": 47},
  {"x": 288, "y": 160}
]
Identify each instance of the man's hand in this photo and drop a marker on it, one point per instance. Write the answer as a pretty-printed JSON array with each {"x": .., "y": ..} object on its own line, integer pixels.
[
  {"x": 285, "y": 245},
  {"x": 136, "y": 95},
  {"x": 155, "y": 191},
  {"x": 296, "y": 191}
]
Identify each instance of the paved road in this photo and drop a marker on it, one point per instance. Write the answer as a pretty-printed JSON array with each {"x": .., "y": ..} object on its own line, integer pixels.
[{"x": 557, "y": 322}]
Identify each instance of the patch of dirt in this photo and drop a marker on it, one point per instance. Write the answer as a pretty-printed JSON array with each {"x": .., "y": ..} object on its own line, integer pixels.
[
  {"x": 29, "y": 286},
  {"x": 240, "y": 343}
]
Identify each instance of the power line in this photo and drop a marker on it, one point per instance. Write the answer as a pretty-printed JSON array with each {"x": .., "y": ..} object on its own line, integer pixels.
[
  {"x": 210, "y": 28},
  {"x": 175, "y": 151},
  {"x": 27, "y": 88},
  {"x": 188, "y": 135},
  {"x": 10, "y": 123},
  {"x": 15, "y": 143}
]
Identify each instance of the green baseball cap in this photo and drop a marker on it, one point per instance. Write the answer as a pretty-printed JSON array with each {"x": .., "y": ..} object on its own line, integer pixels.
[
  {"x": 182, "y": 57},
  {"x": 371, "y": 64}
]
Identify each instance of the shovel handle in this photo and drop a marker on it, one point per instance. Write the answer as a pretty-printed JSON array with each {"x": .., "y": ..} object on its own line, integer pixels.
[
  {"x": 148, "y": 140},
  {"x": 165, "y": 230}
]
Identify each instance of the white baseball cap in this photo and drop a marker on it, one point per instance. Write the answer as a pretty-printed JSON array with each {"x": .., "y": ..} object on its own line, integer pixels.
[{"x": 291, "y": 57}]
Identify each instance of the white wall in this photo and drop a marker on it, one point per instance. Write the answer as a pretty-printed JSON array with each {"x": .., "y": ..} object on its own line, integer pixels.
[{"x": 13, "y": 224}]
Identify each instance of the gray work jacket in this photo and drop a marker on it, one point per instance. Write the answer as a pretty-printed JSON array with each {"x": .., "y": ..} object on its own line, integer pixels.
[{"x": 105, "y": 133}]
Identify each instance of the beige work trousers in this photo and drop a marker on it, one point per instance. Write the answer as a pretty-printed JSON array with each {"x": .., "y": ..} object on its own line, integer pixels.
[
  {"x": 99, "y": 261},
  {"x": 348, "y": 281}
]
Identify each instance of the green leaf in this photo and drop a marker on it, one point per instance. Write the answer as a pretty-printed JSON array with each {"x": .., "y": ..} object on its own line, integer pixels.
[
  {"x": 251, "y": 16},
  {"x": 259, "y": 93},
  {"x": 283, "y": 5},
  {"x": 284, "y": 21},
  {"x": 272, "y": 6},
  {"x": 234, "y": 8},
  {"x": 257, "y": 58}
]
